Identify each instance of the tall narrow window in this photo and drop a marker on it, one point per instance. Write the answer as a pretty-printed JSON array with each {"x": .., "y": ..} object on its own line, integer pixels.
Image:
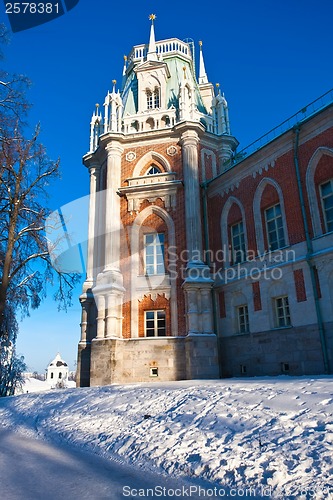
[
  {"x": 149, "y": 99},
  {"x": 237, "y": 243},
  {"x": 282, "y": 312},
  {"x": 326, "y": 191},
  {"x": 274, "y": 225},
  {"x": 243, "y": 319},
  {"x": 155, "y": 324},
  {"x": 154, "y": 253},
  {"x": 156, "y": 97}
]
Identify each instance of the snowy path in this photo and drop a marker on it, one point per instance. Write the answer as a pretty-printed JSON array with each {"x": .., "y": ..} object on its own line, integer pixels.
[
  {"x": 273, "y": 436},
  {"x": 35, "y": 470}
]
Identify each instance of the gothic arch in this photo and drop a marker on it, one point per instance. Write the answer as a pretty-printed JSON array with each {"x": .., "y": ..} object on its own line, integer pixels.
[
  {"x": 311, "y": 188},
  {"x": 151, "y": 156},
  {"x": 135, "y": 249},
  {"x": 224, "y": 225},
  {"x": 257, "y": 212}
]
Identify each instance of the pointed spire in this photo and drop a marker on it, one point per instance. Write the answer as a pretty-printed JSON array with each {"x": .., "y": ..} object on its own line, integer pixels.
[
  {"x": 202, "y": 71},
  {"x": 152, "y": 56}
]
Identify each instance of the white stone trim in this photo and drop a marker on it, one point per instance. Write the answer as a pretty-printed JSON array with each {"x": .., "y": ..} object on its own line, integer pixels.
[
  {"x": 207, "y": 152},
  {"x": 151, "y": 187},
  {"x": 130, "y": 156},
  {"x": 151, "y": 156},
  {"x": 257, "y": 212},
  {"x": 311, "y": 188}
]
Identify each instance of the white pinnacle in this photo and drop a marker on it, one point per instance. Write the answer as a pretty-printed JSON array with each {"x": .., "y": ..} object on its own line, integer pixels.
[
  {"x": 152, "y": 56},
  {"x": 202, "y": 71}
]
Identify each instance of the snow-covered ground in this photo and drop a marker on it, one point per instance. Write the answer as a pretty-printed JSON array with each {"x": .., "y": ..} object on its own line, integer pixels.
[{"x": 271, "y": 436}]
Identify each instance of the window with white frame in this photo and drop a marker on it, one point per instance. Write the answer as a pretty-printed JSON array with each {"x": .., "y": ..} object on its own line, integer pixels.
[
  {"x": 156, "y": 97},
  {"x": 282, "y": 312},
  {"x": 155, "y": 323},
  {"x": 326, "y": 193},
  {"x": 274, "y": 227},
  {"x": 154, "y": 253},
  {"x": 149, "y": 95},
  {"x": 153, "y": 98},
  {"x": 237, "y": 243},
  {"x": 243, "y": 319}
]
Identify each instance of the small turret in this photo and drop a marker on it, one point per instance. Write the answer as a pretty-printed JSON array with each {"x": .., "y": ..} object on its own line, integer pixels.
[
  {"x": 220, "y": 109},
  {"x": 95, "y": 128},
  {"x": 206, "y": 88}
]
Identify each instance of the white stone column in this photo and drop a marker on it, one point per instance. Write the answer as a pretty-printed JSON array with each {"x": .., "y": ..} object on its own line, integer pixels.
[
  {"x": 94, "y": 171},
  {"x": 189, "y": 142},
  {"x": 111, "y": 316},
  {"x": 109, "y": 288},
  {"x": 84, "y": 319},
  {"x": 100, "y": 316},
  {"x": 112, "y": 207},
  {"x": 192, "y": 310},
  {"x": 207, "y": 310}
]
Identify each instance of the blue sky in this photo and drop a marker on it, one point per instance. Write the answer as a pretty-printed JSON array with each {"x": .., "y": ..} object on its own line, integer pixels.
[{"x": 270, "y": 58}]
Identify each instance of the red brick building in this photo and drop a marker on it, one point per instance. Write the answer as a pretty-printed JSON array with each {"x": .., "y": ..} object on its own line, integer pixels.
[{"x": 202, "y": 262}]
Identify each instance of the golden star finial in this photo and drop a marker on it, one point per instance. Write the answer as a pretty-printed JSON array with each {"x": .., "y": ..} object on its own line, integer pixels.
[
  {"x": 152, "y": 17},
  {"x": 125, "y": 58},
  {"x": 217, "y": 85},
  {"x": 114, "y": 82},
  {"x": 200, "y": 43}
]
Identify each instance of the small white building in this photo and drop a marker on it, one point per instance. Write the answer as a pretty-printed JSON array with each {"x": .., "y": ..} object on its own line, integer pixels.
[{"x": 57, "y": 372}]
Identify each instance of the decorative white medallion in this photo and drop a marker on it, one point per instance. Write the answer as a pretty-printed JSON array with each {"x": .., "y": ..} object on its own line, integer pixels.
[
  {"x": 172, "y": 150},
  {"x": 130, "y": 156}
]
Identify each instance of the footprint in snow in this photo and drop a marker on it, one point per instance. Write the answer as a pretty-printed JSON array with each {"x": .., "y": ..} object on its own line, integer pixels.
[{"x": 326, "y": 402}]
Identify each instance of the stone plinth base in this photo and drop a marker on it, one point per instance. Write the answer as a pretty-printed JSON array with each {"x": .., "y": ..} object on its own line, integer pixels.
[
  {"x": 83, "y": 365},
  {"x": 201, "y": 357},
  {"x": 137, "y": 360}
]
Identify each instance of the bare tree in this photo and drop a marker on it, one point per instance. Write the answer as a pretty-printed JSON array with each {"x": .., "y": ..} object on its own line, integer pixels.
[{"x": 25, "y": 175}]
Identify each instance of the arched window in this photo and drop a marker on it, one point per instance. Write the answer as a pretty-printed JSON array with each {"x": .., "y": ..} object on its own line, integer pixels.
[
  {"x": 153, "y": 98},
  {"x": 233, "y": 231},
  {"x": 319, "y": 183},
  {"x": 326, "y": 193},
  {"x": 269, "y": 216},
  {"x": 153, "y": 169}
]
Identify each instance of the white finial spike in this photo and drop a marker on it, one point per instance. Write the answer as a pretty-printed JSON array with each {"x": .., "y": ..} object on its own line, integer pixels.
[
  {"x": 125, "y": 65},
  {"x": 202, "y": 71},
  {"x": 152, "y": 56}
]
